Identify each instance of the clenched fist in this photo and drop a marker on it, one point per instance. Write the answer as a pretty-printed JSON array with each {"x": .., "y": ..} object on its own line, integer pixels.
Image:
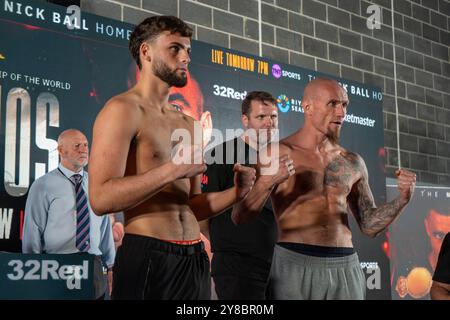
[
  {"x": 188, "y": 160},
  {"x": 280, "y": 169},
  {"x": 244, "y": 179},
  {"x": 406, "y": 181}
]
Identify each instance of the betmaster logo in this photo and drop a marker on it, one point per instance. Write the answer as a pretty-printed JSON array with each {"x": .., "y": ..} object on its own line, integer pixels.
[{"x": 277, "y": 73}]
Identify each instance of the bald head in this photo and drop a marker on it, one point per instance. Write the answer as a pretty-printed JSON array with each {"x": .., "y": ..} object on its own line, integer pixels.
[
  {"x": 69, "y": 134},
  {"x": 325, "y": 103},
  {"x": 73, "y": 149},
  {"x": 315, "y": 88}
]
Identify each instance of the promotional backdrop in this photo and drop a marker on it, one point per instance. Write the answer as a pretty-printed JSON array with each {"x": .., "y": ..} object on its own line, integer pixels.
[{"x": 57, "y": 70}]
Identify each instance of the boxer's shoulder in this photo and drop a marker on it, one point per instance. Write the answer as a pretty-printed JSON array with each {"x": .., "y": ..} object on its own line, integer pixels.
[
  {"x": 124, "y": 103},
  {"x": 285, "y": 146},
  {"x": 355, "y": 160},
  {"x": 353, "y": 157}
]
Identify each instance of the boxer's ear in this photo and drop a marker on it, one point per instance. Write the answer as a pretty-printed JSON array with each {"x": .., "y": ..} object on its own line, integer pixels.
[
  {"x": 306, "y": 105},
  {"x": 145, "y": 51},
  {"x": 307, "y": 109}
]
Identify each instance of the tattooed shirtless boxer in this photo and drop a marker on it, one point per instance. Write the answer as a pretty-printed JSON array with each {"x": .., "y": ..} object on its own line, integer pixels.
[{"x": 317, "y": 182}]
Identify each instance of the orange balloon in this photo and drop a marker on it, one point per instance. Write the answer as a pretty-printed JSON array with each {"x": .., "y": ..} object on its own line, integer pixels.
[{"x": 419, "y": 282}]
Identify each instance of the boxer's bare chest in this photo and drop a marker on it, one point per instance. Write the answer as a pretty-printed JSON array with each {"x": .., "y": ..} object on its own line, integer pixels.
[
  {"x": 158, "y": 133},
  {"x": 322, "y": 173}
]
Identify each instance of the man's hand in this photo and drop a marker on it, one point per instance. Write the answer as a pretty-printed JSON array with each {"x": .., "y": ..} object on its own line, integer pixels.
[
  {"x": 188, "y": 160},
  {"x": 118, "y": 233},
  {"x": 110, "y": 281},
  {"x": 281, "y": 168},
  {"x": 406, "y": 182},
  {"x": 244, "y": 179}
]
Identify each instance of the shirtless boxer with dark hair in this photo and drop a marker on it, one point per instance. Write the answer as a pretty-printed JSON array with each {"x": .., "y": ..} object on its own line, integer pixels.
[{"x": 133, "y": 170}]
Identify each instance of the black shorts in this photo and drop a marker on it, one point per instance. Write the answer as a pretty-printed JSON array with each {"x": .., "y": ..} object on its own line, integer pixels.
[{"x": 151, "y": 269}]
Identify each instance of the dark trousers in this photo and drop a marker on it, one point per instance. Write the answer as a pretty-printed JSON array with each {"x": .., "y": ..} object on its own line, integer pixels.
[
  {"x": 229, "y": 287},
  {"x": 239, "y": 277},
  {"x": 151, "y": 269},
  {"x": 101, "y": 290}
]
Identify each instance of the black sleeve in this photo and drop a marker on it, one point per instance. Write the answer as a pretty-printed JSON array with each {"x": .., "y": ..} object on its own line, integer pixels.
[
  {"x": 442, "y": 272},
  {"x": 211, "y": 178}
]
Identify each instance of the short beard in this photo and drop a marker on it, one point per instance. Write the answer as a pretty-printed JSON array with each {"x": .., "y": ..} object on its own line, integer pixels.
[
  {"x": 162, "y": 71},
  {"x": 334, "y": 136}
]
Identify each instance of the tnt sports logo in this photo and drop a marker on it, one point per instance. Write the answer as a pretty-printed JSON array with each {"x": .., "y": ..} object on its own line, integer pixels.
[
  {"x": 276, "y": 71},
  {"x": 283, "y": 103}
]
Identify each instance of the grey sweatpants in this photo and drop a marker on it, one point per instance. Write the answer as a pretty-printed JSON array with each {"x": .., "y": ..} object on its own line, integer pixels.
[{"x": 295, "y": 276}]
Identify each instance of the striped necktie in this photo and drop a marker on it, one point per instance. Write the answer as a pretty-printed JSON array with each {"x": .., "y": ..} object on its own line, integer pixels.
[{"x": 82, "y": 235}]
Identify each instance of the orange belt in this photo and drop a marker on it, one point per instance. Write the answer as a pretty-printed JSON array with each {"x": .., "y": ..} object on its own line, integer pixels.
[{"x": 183, "y": 242}]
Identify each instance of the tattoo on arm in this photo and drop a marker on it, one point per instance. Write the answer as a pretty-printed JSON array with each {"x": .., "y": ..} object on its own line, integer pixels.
[{"x": 372, "y": 220}]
